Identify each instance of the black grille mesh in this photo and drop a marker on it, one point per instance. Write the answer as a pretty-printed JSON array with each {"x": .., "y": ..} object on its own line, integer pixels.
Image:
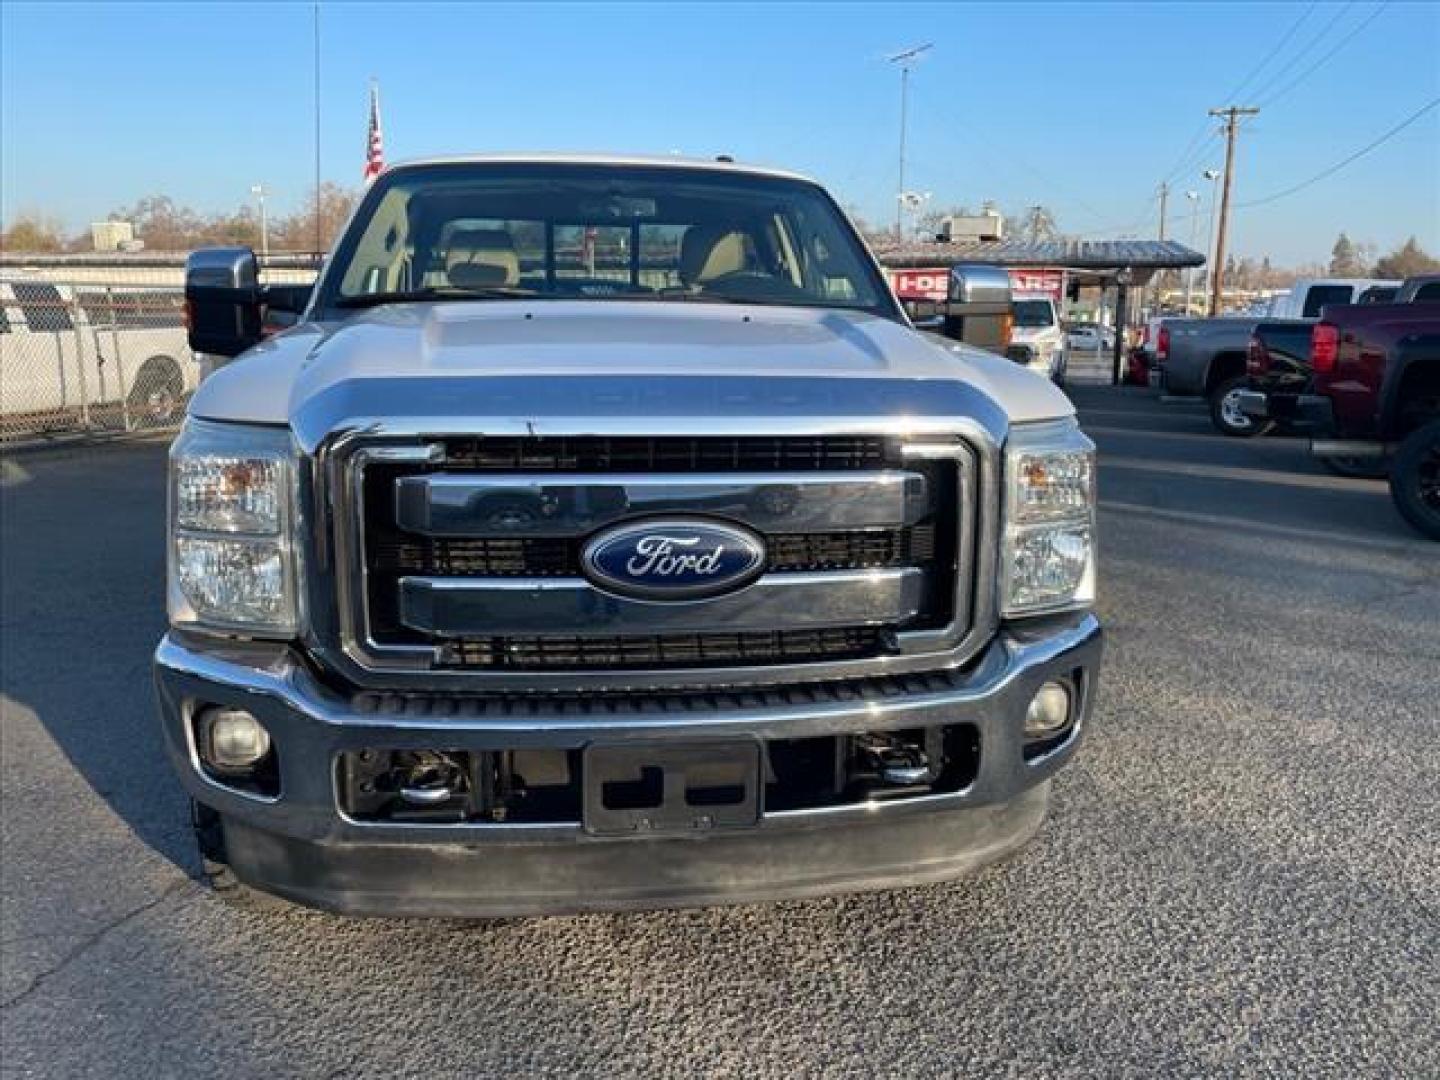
[
  {"x": 660, "y": 650},
  {"x": 715, "y": 454},
  {"x": 549, "y": 557}
]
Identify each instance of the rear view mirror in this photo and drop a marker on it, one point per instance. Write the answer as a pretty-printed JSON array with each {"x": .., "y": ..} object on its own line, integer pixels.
[{"x": 222, "y": 300}]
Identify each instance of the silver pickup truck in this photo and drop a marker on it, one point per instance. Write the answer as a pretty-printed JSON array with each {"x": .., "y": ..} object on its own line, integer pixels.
[{"x": 604, "y": 536}]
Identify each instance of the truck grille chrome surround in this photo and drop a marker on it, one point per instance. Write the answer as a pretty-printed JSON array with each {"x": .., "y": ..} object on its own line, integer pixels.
[{"x": 450, "y": 570}]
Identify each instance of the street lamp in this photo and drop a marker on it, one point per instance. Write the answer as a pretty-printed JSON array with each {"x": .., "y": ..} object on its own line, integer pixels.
[
  {"x": 912, "y": 202},
  {"x": 906, "y": 59},
  {"x": 1194, "y": 198},
  {"x": 1213, "y": 175},
  {"x": 260, "y": 191}
]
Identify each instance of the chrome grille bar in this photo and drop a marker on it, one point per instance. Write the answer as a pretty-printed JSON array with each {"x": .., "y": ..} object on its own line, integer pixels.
[
  {"x": 458, "y": 504},
  {"x": 465, "y": 607}
]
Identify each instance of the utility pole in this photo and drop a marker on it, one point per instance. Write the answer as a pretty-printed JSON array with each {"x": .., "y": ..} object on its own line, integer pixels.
[
  {"x": 905, "y": 58},
  {"x": 1231, "y": 115}
]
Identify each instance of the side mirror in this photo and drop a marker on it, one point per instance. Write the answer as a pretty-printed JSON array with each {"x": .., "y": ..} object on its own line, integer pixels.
[
  {"x": 974, "y": 284},
  {"x": 223, "y": 300},
  {"x": 979, "y": 310}
]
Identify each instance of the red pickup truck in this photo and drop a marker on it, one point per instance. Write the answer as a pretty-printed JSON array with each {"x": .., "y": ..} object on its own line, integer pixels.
[{"x": 1376, "y": 393}]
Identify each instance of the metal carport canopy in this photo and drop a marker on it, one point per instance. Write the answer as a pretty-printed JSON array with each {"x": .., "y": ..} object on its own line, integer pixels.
[{"x": 1100, "y": 261}]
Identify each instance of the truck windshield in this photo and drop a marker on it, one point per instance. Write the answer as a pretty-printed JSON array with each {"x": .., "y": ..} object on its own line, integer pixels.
[
  {"x": 601, "y": 232},
  {"x": 1034, "y": 314}
]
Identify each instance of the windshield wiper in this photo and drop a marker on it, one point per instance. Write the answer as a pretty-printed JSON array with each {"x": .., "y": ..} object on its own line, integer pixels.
[{"x": 434, "y": 292}]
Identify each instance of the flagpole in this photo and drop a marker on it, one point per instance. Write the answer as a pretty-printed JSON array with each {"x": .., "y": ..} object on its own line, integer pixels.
[{"x": 319, "y": 234}]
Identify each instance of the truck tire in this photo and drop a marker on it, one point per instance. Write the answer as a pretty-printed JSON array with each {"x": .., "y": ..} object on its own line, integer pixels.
[
  {"x": 215, "y": 871},
  {"x": 1415, "y": 479},
  {"x": 1225, "y": 411},
  {"x": 157, "y": 396}
]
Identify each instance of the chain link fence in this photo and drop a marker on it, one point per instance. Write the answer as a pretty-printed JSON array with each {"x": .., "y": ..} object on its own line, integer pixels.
[{"x": 92, "y": 348}]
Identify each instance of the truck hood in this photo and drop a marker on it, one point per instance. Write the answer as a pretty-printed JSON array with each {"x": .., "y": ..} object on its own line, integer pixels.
[{"x": 603, "y": 367}]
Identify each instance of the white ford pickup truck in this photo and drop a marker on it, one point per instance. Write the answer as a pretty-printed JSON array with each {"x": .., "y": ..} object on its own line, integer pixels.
[{"x": 604, "y": 536}]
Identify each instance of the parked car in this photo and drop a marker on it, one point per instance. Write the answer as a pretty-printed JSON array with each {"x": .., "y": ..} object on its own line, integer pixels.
[
  {"x": 1207, "y": 357},
  {"x": 68, "y": 349},
  {"x": 1089, "y": 337},
  {"x": 392, "y": 686}
]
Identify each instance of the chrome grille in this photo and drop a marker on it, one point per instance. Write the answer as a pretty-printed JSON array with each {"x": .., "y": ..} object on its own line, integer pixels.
[{"x": 870, "y": 545}]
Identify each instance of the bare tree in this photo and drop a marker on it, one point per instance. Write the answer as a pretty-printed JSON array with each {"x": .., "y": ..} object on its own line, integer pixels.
[
  {"x": 33, "y": 231},
  {"x": 298, "y": 232}
]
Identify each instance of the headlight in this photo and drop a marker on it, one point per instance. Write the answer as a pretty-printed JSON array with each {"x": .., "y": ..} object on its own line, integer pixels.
[
  {"x": 232, "y": 567},
  {"x": 1048, "y": 554}
]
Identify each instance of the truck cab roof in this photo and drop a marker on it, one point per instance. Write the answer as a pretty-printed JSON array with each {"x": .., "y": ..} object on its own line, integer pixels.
[{"x": 721, "y": 163}]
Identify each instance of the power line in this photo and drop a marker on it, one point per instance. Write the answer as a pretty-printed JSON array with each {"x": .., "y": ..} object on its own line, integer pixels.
[
  {"x": 1200, "y": 153},
  {"x": 1276, "y": 76},
  {"x": 1284, "y": 40},
  {"x": 1196, "y": 143},
  {"x": 1334, "y": 49},
  {"x": 1004, "y": 159},
  {"x": 1333, "y": 169}
]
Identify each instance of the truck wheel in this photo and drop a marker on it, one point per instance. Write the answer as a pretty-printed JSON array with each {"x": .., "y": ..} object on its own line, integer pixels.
[
  {"x": 1415, "y": 479},
  {"x": 157, "y": 396},
  {"x": 215, "y": 871},
  {"x": 1225, "y": 411}
]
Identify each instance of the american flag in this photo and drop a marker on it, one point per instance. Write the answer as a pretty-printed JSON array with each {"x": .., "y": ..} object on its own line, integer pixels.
[{"x": 375, "y": 144}]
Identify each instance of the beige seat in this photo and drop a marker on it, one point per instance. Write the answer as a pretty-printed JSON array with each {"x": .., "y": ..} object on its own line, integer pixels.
[
  {"x": 482, "y": 259},
  {"x": 708, "y": 252}
]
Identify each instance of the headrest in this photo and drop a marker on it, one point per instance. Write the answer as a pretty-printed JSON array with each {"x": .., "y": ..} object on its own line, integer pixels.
[
  {"x": 708, "y": 252},
  {"x": 481, "y": 258}
]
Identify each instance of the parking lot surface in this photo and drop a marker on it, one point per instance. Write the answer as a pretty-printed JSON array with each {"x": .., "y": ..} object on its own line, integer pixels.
[{"x": 1240, "y": 874}]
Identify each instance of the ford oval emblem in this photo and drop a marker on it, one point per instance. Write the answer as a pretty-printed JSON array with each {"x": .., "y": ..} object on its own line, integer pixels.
[{"x": 673, "y": 559}]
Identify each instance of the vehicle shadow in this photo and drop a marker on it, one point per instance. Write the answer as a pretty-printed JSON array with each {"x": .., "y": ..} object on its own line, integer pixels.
[{"x": 81, "y": 608}]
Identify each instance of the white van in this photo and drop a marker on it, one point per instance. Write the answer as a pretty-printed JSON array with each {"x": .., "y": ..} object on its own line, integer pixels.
[{"x": 95, "y": 356}]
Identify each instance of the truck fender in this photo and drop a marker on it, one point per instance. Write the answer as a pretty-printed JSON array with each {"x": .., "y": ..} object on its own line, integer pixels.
[{"x": 1411, "y": 384}]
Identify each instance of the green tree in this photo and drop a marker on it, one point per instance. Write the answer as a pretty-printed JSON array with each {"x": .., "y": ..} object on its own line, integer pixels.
[
  {"x": 1407, "y": 260},
  {"x": 1345, "y": 259}
]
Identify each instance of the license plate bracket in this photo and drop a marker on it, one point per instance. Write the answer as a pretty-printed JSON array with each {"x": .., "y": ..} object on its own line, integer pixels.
[{"x": 648, "y": 788}]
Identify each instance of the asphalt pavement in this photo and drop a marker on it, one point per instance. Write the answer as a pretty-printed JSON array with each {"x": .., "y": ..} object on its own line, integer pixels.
[{"x": 1240, "y": 875}]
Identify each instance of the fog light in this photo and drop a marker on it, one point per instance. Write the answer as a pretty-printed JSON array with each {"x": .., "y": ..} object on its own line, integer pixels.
[
  {"x": 231, "y": 740},
  {"x": 1049, "y": 711}
]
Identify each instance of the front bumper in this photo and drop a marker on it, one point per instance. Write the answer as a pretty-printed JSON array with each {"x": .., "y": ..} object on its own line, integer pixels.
[{"x": 301, "y": 846}]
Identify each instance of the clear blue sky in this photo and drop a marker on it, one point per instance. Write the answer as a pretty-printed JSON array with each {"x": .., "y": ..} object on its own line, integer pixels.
[{"x": 1084, "y": 107}]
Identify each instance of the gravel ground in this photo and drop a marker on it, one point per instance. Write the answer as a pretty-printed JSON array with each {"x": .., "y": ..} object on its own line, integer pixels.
[{"x": 1240, "y": 874}]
